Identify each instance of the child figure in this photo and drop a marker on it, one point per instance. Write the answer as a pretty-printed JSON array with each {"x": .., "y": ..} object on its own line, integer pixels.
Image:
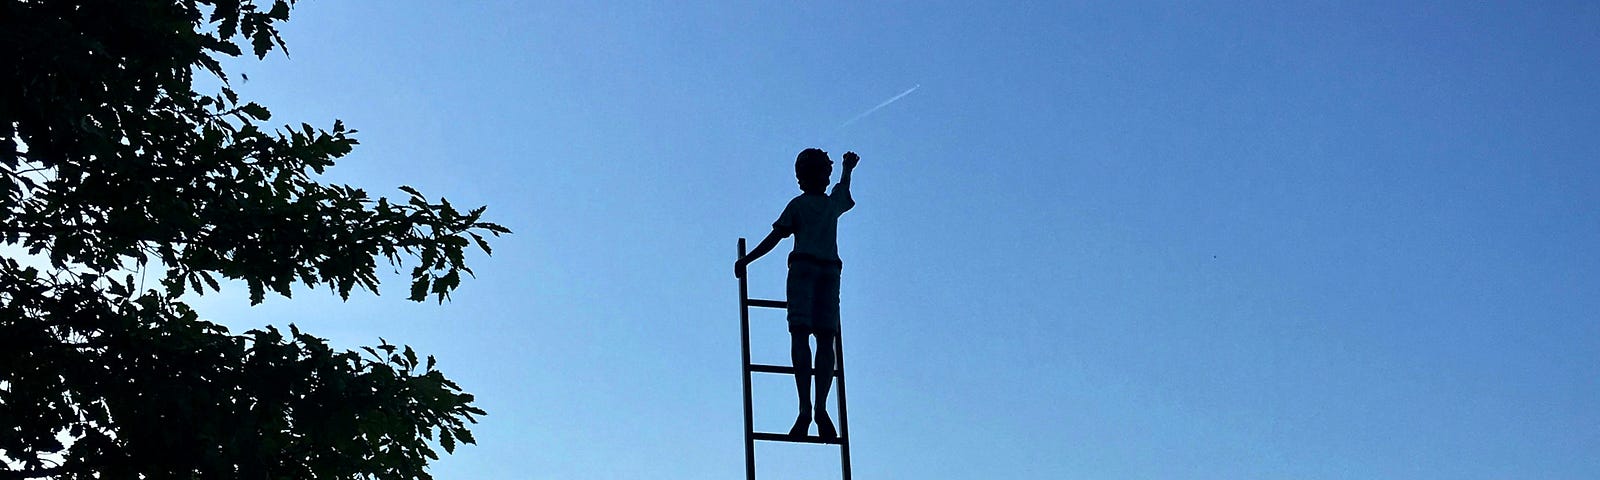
[{"x": 813, "y": 286}]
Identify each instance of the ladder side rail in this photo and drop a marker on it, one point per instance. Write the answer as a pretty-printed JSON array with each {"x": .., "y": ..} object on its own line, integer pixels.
[
  {"x": 844, "y": 415},
  {"x": 744, "y": 350}
]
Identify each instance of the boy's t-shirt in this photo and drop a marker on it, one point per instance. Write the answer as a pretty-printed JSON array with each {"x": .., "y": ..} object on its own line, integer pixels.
[{"x": 813, "y": 219}]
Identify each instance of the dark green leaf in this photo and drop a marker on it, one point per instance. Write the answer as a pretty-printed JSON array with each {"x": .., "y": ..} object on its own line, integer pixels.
[
  {"x": 447, "y": 441},
  {"x": 484, "y": 245},
  {"x": 256, "y": 111}
]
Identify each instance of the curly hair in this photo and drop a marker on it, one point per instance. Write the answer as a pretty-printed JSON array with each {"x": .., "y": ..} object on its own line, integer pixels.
[{"x": 812, "y": 168}]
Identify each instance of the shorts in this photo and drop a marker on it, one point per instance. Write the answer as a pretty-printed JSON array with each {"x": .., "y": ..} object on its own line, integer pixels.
[{"x": 813, "y": 297}]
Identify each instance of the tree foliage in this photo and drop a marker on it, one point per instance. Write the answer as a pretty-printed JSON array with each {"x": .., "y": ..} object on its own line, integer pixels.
[{"x": 115, "y": 164}]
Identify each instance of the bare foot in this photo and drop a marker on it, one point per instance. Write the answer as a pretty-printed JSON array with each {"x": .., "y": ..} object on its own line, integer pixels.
[
  {"x": 825, "y": 426},
  {"x": 802, "y": 424}
]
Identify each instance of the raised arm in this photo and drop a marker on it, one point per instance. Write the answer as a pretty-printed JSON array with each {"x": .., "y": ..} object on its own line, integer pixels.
[
  {"x": 762, "y": 248},
  {"x": 841, "y": 192},
  {"x": 850, "y": 161}
]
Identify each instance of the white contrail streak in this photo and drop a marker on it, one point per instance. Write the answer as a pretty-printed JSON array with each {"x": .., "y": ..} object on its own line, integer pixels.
[{"x": 881, "y": 105}]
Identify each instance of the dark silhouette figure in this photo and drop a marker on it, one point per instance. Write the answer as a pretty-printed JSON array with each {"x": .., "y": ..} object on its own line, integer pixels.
[{"x": 813, "y": 284}]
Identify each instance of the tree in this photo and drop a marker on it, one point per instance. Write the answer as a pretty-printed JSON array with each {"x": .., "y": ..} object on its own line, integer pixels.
[{"x": 115, "y": 164}]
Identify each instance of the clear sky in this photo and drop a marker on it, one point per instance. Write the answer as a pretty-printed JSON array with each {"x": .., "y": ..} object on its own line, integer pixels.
[{"x": 1107, "y": 241}]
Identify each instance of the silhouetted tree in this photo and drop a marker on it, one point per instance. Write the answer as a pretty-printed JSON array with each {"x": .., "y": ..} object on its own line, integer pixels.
[{"x": 113, "y": 165}]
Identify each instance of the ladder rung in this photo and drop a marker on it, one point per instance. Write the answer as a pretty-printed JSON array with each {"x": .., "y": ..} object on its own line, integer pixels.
[
  {"x": 782, "y": 437},
  {"x": 756, "y": 302},
  {"x": 757, "y": 367}
]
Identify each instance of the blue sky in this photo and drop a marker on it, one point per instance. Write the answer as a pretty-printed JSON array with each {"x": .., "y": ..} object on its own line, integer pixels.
[{"x": 1114, "y": 241}]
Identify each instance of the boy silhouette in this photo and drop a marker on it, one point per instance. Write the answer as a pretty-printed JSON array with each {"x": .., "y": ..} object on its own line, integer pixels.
[{"x": 813, "y": 285}]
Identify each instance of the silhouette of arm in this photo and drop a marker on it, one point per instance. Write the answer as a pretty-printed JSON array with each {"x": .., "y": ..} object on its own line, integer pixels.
[
  {"x": 762, "y": 248},
  {"x": 841, "y": 191}
]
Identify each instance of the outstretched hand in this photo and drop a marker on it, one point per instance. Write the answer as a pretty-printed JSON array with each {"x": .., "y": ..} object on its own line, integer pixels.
[{"x": 850, "y": 160}]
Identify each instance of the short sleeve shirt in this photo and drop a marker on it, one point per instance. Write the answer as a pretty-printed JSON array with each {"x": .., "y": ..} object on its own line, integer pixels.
[{"x": 813, "y": 219}]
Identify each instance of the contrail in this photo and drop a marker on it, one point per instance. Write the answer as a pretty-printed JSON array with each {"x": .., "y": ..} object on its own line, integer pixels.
[{"x": 881, "y": 105}]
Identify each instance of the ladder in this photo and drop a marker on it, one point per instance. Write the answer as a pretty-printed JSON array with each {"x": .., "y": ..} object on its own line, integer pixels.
[{"x": 750, "y": 435}]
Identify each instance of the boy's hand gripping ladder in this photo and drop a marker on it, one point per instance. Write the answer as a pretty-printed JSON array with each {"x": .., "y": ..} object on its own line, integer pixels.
[{"x": 750, "y": 435}]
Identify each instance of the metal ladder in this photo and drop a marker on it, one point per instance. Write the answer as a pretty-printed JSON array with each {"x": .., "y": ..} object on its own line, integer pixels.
[{"x": 750, "y": 435}]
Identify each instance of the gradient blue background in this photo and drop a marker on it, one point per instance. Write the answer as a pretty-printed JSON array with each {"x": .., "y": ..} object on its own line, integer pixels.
[{"x": 1327, "y": 240}]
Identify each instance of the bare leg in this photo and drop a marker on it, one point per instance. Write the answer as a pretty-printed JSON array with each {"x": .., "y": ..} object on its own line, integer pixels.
[
  {"x": 824, "y": 373},
  {"x": 800, "y": 353}
]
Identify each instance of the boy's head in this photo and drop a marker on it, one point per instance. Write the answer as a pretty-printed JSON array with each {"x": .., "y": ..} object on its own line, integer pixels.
[{"x": 812, "y": 168}]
